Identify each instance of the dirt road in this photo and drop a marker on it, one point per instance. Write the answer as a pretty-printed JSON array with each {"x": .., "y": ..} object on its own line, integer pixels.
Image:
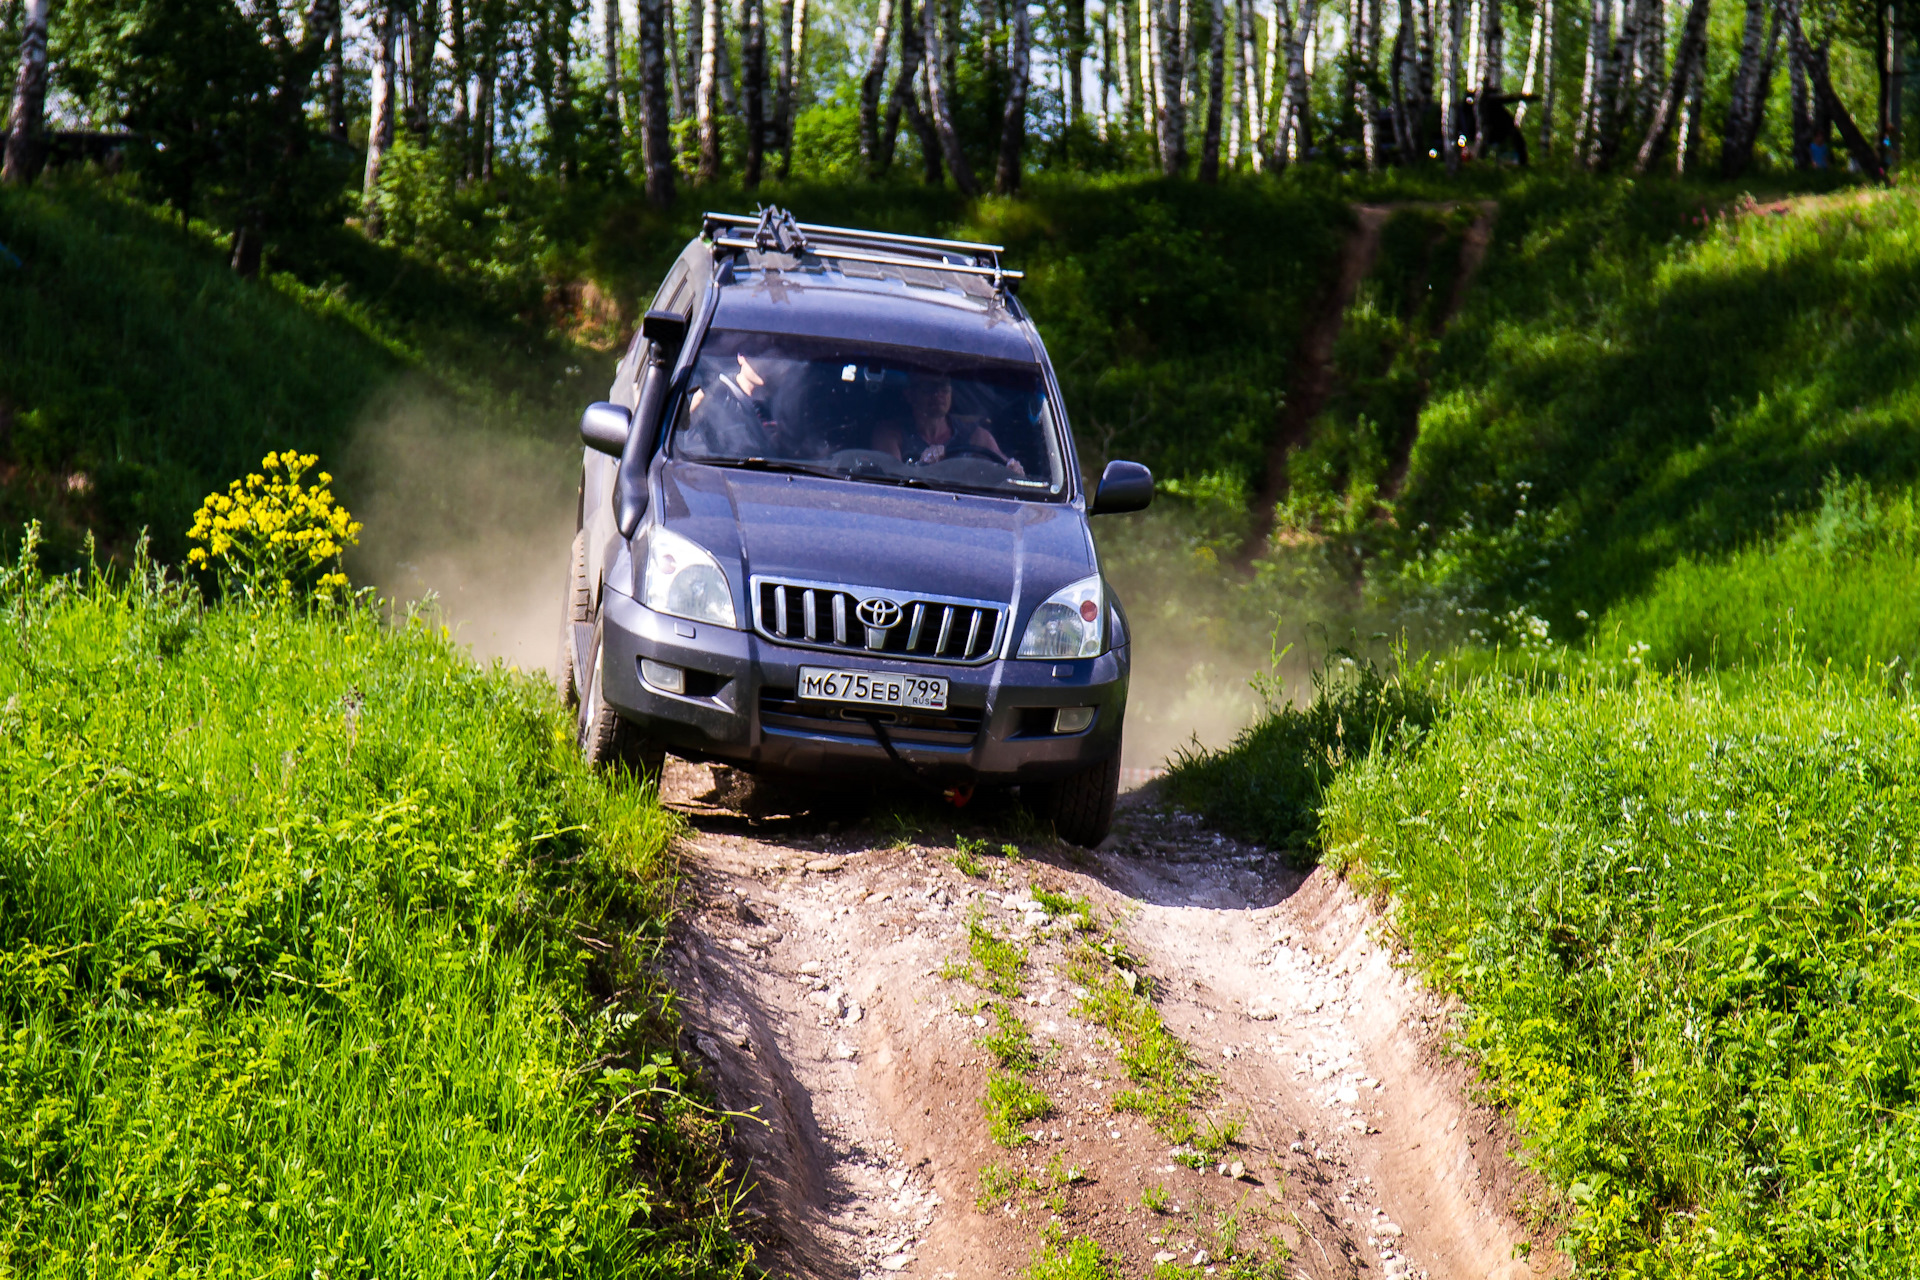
[{"x": 827, "y": 974}]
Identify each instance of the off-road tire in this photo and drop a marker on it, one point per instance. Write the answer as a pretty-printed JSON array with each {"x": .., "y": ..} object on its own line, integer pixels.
[
  {"x": 576, "y": 609},
  {"x": 608, "y": 740},
  {"x": 1080, "y": 805}
]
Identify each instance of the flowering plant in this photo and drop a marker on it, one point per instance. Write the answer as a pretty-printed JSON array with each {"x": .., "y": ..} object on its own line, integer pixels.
[{"x": 272, "y": 534}]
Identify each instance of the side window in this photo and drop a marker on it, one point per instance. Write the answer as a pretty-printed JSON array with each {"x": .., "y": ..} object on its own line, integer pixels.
[
  {"x": 672, "y": 297},
  {"x": 671, "y": 289}
]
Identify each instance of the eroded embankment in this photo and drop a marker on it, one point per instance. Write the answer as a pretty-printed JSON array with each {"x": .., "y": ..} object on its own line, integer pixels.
[{"x": 835, "y": 981}]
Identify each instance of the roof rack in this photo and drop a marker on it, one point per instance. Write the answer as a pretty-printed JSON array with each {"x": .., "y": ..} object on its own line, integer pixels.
[{"x": 774, "y": 230}]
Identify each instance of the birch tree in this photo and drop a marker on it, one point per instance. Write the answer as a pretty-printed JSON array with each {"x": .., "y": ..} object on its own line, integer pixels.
[
  {"x": 707, "y": 113},
  {"x": 380, "y": 116},
  {"x": 656, "y": 137},
  {"x": 1491, "y": 85},
  {"x": 1599, "y": 50},
  {"x": 753, "y": 86},
  {"x": 1013, "y": 122},
  {"x": 1749, "y": 94},
  {"x": 1216, "y": 88},
  {"x": 783, "y": 88},
  {"x": 1801, "y": 117},
  {"x": 904, "y": 102},
  {"x": 1864, "y": 155},
  {"x": 1173, "y": 108},
  {"x": 337, "y": 76},
  {"x": 940, "y": 102},
  {"x": 1693, "y": 45},
  {"x": 26, "y": 119},
  {"x": 871, "y": 85},
  {"x": 610, "y": 39},
  {"x": 1450, "y": 85}
]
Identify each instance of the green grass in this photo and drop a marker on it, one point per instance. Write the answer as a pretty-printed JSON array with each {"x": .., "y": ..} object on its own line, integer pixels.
[
  {"x": 1078, "y": 1259},
  {"x": 1002, "y": 963},
  {"x": 1683, "y": 912},
  {"x": 137, "y": 360},
  {"x": 1632, "y": 383},
  {"x": 321, "y": 953},
  {"x": 1011, "y": 1102},
  {"x": 1001, "y": 1185},
  {"x": 1010, "y": 1043},
  {"x": 1166, "y": 1083},
  {"x": 1268, "y": 784},
  {"x": 1840, "y": 584},
  {"x": 1079, "y": 910}
]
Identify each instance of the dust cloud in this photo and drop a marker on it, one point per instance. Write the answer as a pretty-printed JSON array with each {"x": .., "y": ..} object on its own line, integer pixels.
[
  {"x": 1183, "y": 696},
  {"x": 482, "y": 519}
]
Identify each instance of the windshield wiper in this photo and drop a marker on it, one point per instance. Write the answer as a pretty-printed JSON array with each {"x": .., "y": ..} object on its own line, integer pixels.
[{"x": 775, "y": 464}]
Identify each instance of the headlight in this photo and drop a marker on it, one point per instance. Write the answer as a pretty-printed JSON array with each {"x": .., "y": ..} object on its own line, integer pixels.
[
  {"x": 1070, "y": 624},
  {"x": 684, "y": 579}
]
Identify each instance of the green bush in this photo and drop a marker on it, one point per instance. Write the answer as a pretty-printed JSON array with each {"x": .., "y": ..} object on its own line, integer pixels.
[{"x": 321, "y": 953}]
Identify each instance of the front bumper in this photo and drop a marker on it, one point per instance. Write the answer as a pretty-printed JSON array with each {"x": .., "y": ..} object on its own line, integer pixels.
[{"x": 739, "y": 707}]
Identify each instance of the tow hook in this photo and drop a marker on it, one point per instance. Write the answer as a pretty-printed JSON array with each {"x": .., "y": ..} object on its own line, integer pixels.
[{"x": 957, "y": 796}]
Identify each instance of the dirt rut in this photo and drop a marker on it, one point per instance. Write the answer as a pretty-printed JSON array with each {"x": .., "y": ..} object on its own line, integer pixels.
[{"x": 818, "y": 970}]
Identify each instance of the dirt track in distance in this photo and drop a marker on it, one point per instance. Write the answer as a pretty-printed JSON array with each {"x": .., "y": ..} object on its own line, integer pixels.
[{"x": 814, "y": 965}]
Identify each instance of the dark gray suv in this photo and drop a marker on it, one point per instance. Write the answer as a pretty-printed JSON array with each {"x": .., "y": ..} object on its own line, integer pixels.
[{"x": 832, "y": 525}]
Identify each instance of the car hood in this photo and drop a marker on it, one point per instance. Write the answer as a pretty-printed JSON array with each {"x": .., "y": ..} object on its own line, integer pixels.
[{"x": 859, "y": 534}]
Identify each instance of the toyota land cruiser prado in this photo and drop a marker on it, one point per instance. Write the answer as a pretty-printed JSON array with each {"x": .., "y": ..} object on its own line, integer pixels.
[{"x": 831, "y": 523}]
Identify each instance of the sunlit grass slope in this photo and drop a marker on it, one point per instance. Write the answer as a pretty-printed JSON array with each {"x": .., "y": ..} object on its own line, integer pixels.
[
  {"x": 1683, "y": 915},
  {"x": 1632, "y": 383},
  {"x": 322, "y": 955}
]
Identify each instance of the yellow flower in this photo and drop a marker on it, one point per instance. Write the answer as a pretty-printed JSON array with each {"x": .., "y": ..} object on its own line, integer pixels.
[{"x": 273, "y": 535}]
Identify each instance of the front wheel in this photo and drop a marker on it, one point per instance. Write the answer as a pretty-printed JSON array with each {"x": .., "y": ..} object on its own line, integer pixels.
[
  {"x": 609, "y": 740},
  {"x": 1080, "y": 805}
]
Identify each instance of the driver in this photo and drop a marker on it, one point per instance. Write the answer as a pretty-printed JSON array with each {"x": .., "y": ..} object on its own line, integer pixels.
[
  {"x": 935, "y": 428},
  {"x": 733, "y": 415}
]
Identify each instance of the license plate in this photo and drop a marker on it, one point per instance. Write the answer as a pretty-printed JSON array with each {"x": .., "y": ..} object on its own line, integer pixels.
[{"x": 873, "y": 688}]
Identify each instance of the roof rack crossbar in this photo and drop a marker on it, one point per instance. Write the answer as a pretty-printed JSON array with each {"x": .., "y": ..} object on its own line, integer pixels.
[
  {"x": 887, "y": 260},
  {"x": 854, "y": 234}
]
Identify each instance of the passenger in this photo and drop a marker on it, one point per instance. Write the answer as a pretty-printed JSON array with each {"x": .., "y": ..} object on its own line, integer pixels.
[{"x": 935, "y": 428}]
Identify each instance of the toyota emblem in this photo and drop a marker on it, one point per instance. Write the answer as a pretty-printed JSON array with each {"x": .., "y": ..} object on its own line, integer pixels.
[{"x": 878, "y": 613}]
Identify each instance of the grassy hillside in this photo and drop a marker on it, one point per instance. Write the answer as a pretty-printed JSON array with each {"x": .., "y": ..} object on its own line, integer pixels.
[
  {"x": 321, "y": 953},
  {"x": 140, "y": 373},
  {"x": 1640, "y": 377},
  {"x": 1669, "y": 870}
]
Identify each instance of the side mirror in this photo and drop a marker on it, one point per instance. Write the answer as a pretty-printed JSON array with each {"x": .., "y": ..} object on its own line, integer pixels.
[
  {"x": 605, "y": 427},
  {"x": 667, "y": 331},
  {"x": 1124, "y": 487}
]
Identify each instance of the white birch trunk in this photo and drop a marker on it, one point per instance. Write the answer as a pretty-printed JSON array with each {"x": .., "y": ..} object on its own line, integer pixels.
[
  {"x": 29, "y": 108},
  {"x": 380, "y": 122},
  {"x": 706, "y": 105}
]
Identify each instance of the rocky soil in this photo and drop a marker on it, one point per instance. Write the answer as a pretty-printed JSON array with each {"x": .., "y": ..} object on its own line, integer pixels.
[{"x": 822, "y": 967}]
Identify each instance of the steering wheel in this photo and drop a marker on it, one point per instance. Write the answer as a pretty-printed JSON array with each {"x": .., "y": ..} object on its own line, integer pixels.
[{"x": 957, "y": 450}]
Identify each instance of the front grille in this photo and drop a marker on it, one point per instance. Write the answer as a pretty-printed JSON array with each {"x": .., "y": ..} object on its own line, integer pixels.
[{"x": 927, "y": 628}]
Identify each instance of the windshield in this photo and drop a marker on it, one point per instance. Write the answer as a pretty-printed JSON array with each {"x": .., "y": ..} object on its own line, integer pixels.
[{"x": 869, "y": 412}]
